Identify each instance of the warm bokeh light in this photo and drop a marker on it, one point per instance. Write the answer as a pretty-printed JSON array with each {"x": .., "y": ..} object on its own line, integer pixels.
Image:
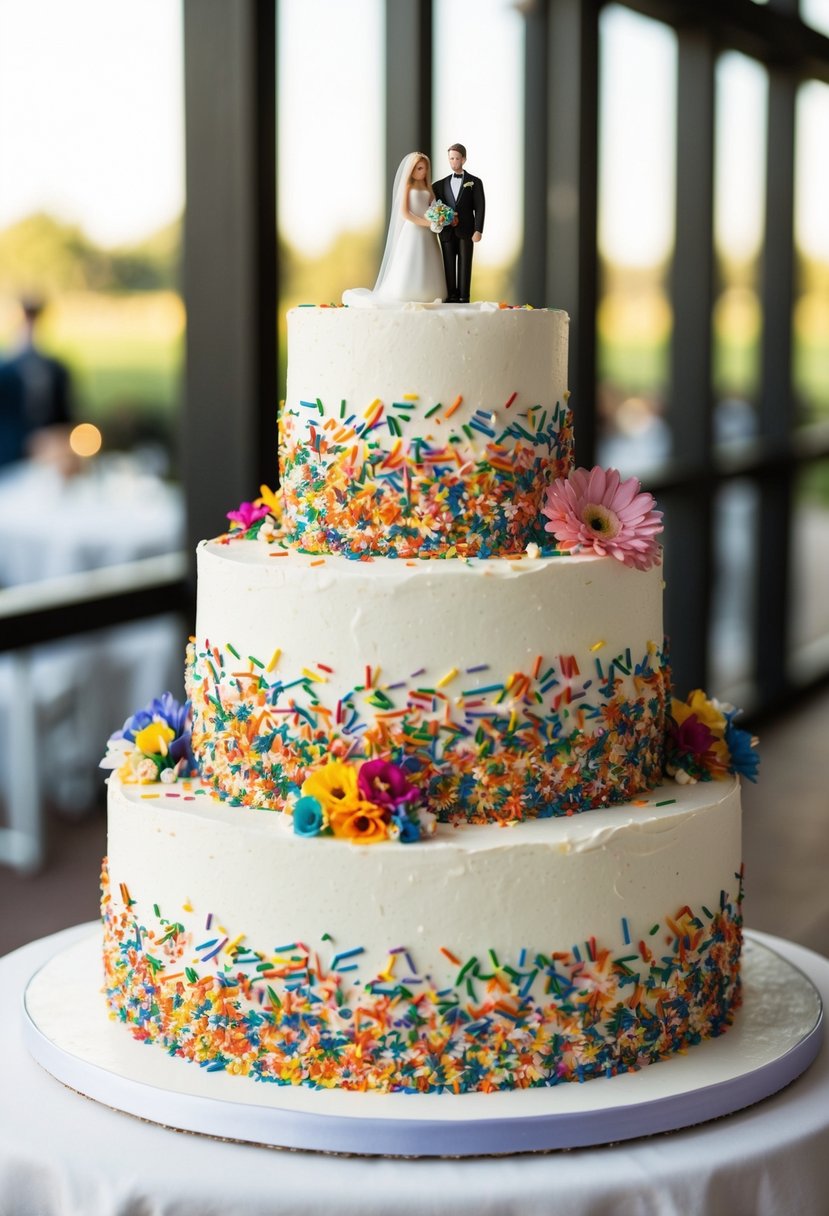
[{"x": 85, "y": 439}]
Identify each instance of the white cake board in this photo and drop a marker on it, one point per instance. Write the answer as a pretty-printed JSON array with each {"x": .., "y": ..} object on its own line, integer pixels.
[{"x": 777, "y": 1034}]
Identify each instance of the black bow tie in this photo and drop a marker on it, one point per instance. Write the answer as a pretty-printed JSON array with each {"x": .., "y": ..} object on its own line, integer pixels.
[{"x": 457, "y": 175}]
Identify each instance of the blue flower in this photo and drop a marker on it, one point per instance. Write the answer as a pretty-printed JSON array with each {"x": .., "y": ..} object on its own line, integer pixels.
[
  {"x": 308, "y": 817},
  {"x": 409, "y": 830},
  {"x": 744, "y": 757},
  {"x": 161, "y": 709}
]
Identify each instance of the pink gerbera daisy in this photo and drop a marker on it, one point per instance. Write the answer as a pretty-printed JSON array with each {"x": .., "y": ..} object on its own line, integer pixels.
[{"x": 593, "y": 510}]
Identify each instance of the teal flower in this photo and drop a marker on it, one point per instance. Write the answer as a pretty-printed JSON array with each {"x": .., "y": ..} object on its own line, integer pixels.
[{"x": 308, "y": 816}]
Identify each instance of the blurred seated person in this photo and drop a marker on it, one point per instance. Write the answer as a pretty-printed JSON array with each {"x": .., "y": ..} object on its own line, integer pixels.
[
  {"x": 35, "y": 407},
  {"x": 12, "y": 417}
]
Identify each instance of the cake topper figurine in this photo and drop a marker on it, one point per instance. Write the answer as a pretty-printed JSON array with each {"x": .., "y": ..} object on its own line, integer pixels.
[
  {"x": 465, "y": 194},
  {"x": 411, "y": 266}
]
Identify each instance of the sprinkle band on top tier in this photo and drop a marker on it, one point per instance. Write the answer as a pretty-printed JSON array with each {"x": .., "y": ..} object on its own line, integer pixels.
[{"x": 435, "y": 452}]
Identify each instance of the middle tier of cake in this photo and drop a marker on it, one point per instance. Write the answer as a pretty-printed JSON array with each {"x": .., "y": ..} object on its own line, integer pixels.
[{"x": 507, "y": 689}]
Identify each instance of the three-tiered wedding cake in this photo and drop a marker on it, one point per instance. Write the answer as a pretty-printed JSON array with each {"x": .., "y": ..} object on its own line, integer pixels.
[{"x": 428, "y": 847}]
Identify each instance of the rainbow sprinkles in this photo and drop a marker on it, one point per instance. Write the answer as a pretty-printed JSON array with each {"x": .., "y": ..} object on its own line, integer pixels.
[
  {"x": 503, "y": 747},
  {"x": 345, "y": 490}
]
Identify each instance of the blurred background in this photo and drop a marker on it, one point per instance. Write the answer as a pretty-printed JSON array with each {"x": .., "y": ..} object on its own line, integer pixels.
[{"x": 176, "y": 174}]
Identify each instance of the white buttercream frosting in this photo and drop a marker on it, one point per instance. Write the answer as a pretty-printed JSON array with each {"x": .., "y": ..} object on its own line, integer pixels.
[
  {"x": 427, "y": 356},
  {"x": 402, "y": 616}
]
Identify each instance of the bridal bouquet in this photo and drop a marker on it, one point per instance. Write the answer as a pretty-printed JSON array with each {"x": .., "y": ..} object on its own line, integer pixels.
[{"x": 439, "y": 215}]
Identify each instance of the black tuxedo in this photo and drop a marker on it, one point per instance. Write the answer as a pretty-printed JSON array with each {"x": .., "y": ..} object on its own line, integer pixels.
[{"x": 456, "y": 241}]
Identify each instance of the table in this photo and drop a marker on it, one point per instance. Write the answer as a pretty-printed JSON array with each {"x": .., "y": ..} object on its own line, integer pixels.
[{"x": 62, "y": 1155}]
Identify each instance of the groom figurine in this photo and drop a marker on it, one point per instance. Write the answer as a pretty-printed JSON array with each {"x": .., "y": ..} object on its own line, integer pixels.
[{"x": 465, "y": 195}]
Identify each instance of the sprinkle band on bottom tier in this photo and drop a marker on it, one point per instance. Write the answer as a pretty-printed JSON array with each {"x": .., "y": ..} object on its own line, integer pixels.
[{"x": 300, "y": 1014}]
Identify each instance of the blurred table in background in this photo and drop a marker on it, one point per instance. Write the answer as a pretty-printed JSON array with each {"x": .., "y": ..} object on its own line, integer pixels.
[{"x": 59, "y": 702}]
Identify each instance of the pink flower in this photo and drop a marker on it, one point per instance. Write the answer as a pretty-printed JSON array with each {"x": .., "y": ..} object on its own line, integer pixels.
[
  {"x": 385, "y": 784},
  {"x": 248, "y": 513},
  {"x": 595, "y": 511}
]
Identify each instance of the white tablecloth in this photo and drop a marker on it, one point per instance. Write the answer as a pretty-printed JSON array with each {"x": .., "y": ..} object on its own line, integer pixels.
[
  {"x": 64, "y": 1155},
  {"x": 51, "y": 526}
]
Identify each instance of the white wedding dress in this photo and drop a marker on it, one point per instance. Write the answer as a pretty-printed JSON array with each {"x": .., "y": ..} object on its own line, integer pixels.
[
  {"x": 412, "y": 266},
  {"x": 415, "y": 270}
]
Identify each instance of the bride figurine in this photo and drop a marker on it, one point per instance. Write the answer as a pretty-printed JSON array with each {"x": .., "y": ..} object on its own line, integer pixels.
[{"x": 412, "y": 267}]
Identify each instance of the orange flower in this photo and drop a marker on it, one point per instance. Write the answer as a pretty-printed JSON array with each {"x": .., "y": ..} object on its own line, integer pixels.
[{"x": 354, "y": 819}]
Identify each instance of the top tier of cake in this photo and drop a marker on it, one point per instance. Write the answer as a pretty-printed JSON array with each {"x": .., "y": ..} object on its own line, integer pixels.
[{"x": 422, "y": 432}]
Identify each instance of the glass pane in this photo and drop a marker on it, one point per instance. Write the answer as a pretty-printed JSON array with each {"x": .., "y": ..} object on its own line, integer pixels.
[
  {"x": 733, "y": 600},
  {"x": 739, "y": 215},
  {"x": 478, "y": 75},
  {"x": 637, "y": 154},
  {"x": 91, "y": 349},
  {"x": 91, "y": 319},
  {"x": 809, "y": 638},
  {"x": 330, "y": 173},
  {"x": 816, "y": 14},
  {"x": 811, "y": 315}
]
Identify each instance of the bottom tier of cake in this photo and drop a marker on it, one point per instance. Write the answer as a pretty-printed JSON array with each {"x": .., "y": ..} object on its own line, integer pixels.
[{"x": 487, "y": 958}]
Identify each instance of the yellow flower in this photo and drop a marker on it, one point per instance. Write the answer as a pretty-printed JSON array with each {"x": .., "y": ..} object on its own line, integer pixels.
[
  {"x": 271, "y": 499},
  {"x": 356, "y": 820},
  {"x": 332, "y": 785},
  {"x": 153, "y": 739}
]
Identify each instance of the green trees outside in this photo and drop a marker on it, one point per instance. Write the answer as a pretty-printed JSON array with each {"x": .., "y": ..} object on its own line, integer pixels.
[{"x": 116, "y": 317}]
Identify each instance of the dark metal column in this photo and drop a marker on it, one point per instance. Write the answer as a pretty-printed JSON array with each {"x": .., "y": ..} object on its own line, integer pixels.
[
  {"x": 777, "y": 406},
  {"x": 229, "y": 435},
  {"x": 571, "y": 185},
  {"x": 409, "y": 25},
  {"x": 689, "y": 552},
  {"x": 532, "y": 264}
]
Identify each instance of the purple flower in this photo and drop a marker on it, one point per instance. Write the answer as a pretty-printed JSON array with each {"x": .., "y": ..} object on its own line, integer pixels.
[
  {"x": 385, "y": 784},
  {"x": 161, "y": 709},
  {"x": 691, "y": 737},
  {"x": 247, "y": 514}
]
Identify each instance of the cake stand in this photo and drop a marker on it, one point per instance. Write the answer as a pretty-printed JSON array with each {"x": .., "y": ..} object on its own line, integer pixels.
[{"x": 776, "y": 1036}]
